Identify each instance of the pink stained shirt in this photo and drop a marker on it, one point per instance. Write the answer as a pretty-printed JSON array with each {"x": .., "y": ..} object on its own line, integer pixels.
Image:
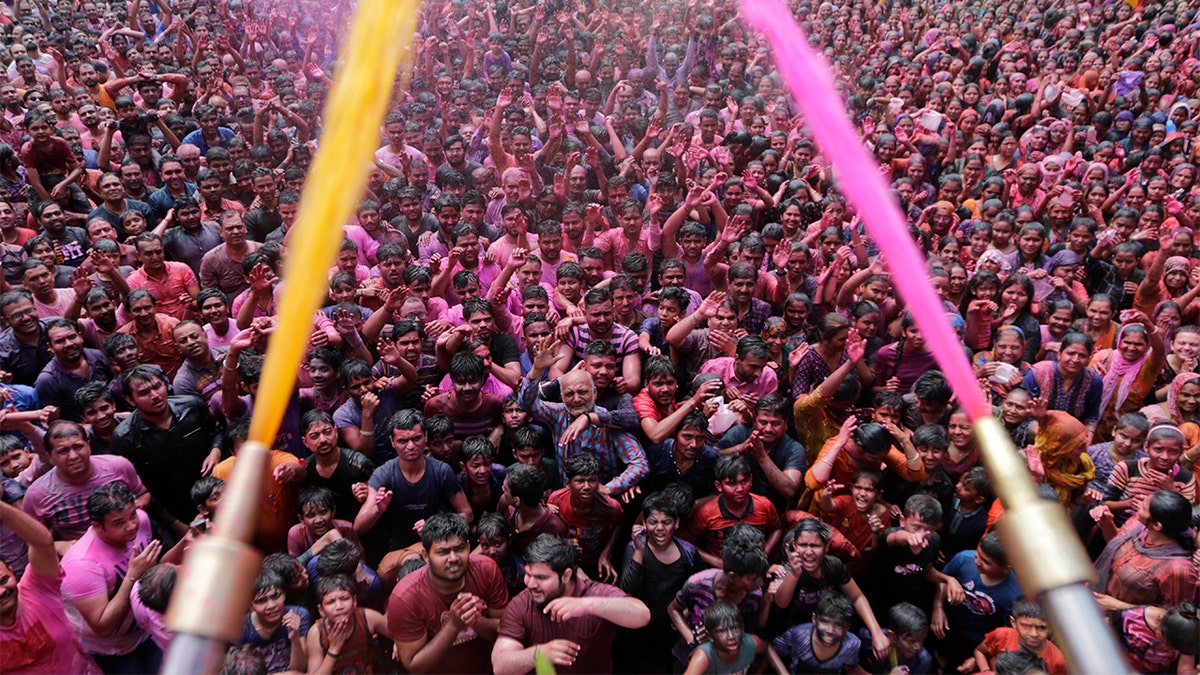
[
  {"x": 93, "y": 568},
  {"x": 725, "y": 366},
  {"x": 41, "y": 638}
]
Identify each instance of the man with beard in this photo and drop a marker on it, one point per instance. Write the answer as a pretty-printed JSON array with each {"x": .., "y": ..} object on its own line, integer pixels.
[
  {"x": 221, "y": 266},
  {"x": 575, "y": 424},
  {"x": 116, "y": 202},
  {"x": 599, "y": 323},
  {"x": 72, "y": 367},
  {"x": 444, "y": 617},
  {"x": 341, "y": 470},
  {"x": 175, "y": 185},
  {"x": 568, "y": 619},
  {"x": 191, "y": 240},
  {"x": 102, "y": 318},
  {"x": 170, "y": 440}
]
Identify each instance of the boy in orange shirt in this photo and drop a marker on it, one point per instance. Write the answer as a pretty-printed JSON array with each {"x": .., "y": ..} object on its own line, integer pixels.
[{"x": 1029, "y": 630}]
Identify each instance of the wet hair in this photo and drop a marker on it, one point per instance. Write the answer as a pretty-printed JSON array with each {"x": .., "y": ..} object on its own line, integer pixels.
[
  {"x": 443, "y": 526},
  {"x": 341, "y": 556},
  {"x": 108, "y": 498},
  {"x": 477, "y": 446},
  {"x": 722, "y": 615},
  {"x": 467, "y": 366},
  {"x": 873, "y": 438},
  {"x": 1171, "y": 510},
  {"x": 834, "y": 605},
  {"x": 931, "y": 435},
  {"x": 977, "y": 478},
  {"x": 1181, "y": 628},
  {"x": 527, "y": 482},
  {"x": 729, "y": 467},
  {"x": 907, "y": 619},
  {"x": 557, "y": 553},
  {"x": 335, "y": 582},
  {"x": 581, "y": 464},
  {"x": 1019, "y": 661},
  {"x": 244, "y": 660},
  {"x": 1027, "y": 609},
  {"x": 316, "y": 495},
  {"x": 933, "y": 387},
  {"x": 1135, "y": 420},
  {"x": 266, "y": 580},
  {"x": 812, "y": 525},
  {"x": 156, "y": 585},
  {"x": 743, "y": 558},
  {"x": 492, "y": 525},
  {"x": 993, "y": 547}
]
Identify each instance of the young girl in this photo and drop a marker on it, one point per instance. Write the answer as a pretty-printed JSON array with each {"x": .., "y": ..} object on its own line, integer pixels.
[
  {"x": 1134, "y": 479},
  {"x": 898, "y": 365},
  {"x": 1154, "y": 638},
  {"x": 1098, "y": 323},
  {"x": 728, "y": 648},
  {"x": 979, "y": 308},
  {"x": 344, "y": 639}
]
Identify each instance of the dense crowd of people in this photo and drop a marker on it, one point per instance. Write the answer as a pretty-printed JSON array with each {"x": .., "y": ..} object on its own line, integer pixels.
[{"x": 610, "y": 374}]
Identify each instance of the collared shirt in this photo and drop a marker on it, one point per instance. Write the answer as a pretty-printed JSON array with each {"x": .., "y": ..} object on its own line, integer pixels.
[
  {"x": 57, "y": 383},
  {"x": 196, "y": 380},
  {"x": 161, "y": 200},
  {"x": 219, "y": 270},
  {"x": 188, "y": 248},
  {"x": 168, "y": 460},
  {"x": 726, "y": 367},
  {"x": 24, "y": 361},
  {"x": 167, "y": 288},
  {"x": 158, "y": 348},
  {"x": 622, "y": 460}
]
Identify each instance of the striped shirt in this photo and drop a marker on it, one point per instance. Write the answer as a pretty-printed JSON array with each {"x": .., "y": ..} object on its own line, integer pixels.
[
  {"x": 623, "y": 339},
  {"x": 622, "y": 459}
]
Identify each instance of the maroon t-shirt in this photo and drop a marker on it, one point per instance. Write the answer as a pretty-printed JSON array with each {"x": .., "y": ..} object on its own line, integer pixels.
[
  {"x": 57, "y": 158},
  {"x": 525, "y": 622},
  {"x": 415, "y": 610}
]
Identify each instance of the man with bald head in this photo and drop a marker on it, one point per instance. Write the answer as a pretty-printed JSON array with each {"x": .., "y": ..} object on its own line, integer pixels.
[
  {"x": 576, "y": 424},
  {"x": 189, "y": 156}
]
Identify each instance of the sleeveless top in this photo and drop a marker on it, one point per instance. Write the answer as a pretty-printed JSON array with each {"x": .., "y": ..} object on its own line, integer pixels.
[
  {"x": 745, "y": 657},
  {"x": 360, "y": 654}
]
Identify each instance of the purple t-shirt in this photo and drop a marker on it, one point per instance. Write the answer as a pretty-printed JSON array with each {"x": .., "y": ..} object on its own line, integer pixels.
[
  {"x": 62, "y": 506},
  {"x": 795, "y": 649}
]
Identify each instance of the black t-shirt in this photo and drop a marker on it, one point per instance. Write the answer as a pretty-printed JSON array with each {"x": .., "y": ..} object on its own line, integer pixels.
[
  {"x": 260, "y": 222},
  {"x": 504, "y": 349},
  {"x": 353, "y": 467},
  {"x": 899, "y": 574}
]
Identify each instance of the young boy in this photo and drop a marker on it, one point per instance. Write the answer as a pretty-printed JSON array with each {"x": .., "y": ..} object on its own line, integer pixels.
[
  {"x": 317, "y": 526},
  {"x": 739, "y": 580},
  {"x": 277, "y": 629},
  {"x": 991, "y": 589},
  {"x": 529, "y": 447},
  {"x": 523, "y": 507},
  {"x": 495, "y": 542},
  {"x": 931, "y": 441},
  {"x": 860, "y": 515},
  {"x": 1029, "y": 630},
  {"x": 712, "y": 521},
  {"x": 903, "y": 563},
  {"x": 826, "y": 645},
  {"x": 15, "y": 456},
  {"x": 344, "y": 639},
  {"x": 276, "y": 513},
  {"x": 480, "y": 479},
  {"x": 206, "y": 495},
  {"x": 590, "y": 515},
  {"x": 439, "y": 432},
  {"x": 728, "y": 648},
  {"x": 907, "y": 628},
  {"x": 973, "y": 498}
]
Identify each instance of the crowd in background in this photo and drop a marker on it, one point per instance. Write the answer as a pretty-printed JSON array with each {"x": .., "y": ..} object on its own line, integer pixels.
[{"x": 609, "y": 374}]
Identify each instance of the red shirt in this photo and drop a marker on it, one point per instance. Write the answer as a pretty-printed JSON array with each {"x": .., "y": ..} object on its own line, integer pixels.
[
  {"x": 415, "y": 611},
  {"x": 1005, "y": 640},
  {"x": 591, "y": 530},
  {"x": 712, "y": 521},
  {"x": 525, "y": 622}
]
